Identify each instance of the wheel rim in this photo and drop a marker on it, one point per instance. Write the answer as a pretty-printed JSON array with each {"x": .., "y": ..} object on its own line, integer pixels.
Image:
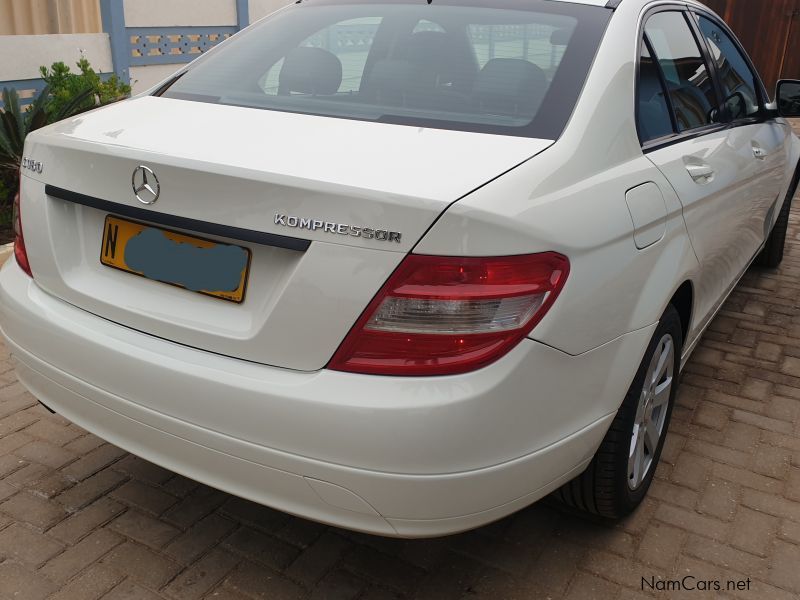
[{"x": 651, "y": 412}]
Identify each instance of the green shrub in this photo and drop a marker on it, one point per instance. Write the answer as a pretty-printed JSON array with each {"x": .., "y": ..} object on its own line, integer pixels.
[{"x": 65, "y": 86}]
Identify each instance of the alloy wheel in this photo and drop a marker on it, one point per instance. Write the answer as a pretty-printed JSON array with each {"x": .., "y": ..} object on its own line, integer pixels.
[{"x": 651, "y": 412}]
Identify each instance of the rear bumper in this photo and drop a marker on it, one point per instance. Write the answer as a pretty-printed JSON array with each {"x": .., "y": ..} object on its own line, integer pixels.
[{"x": 396, "y": 457}]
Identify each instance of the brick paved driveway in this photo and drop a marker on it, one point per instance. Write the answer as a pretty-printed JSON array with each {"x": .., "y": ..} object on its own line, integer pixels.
[{"x": 82, "y": 519}]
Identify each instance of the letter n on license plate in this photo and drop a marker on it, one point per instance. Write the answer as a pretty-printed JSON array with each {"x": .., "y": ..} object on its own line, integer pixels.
[{"x": 196, "y": 264}]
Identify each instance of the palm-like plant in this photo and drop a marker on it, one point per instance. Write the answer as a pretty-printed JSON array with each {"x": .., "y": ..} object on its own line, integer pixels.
[
  {"x": 16, "y": 124},
  {"x": 14, "y": 128}
]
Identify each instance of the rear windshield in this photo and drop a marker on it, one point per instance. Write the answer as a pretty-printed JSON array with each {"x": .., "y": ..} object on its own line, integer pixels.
[{"x": 513, "y": 67}]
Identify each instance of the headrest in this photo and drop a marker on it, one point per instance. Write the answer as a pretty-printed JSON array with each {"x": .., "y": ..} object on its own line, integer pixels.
[
  {"x": 310, "y": 71},
  {"x": 510, "y": 77},
  {"x": 510, "y": 86}
]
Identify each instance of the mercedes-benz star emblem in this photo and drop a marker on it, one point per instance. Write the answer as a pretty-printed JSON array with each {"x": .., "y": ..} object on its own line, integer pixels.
[{"x": 145, "y": 185}]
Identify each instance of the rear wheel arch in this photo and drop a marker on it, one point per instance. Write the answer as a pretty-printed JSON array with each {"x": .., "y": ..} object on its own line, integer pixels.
[{"x": 683, "y": 301}]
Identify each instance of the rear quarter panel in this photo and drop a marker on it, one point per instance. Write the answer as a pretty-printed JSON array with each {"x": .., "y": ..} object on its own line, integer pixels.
[{"x": 571, "y": 199}]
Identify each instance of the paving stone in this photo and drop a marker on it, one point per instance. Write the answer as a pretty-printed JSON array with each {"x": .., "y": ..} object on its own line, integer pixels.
[
  {"x": 790, "y": 531},
  {"x": 50, "y": 486},
  {"x": 262, "y": 548},
  {"x": 673, "y": 494},
  {"x": 259, "y": 582},
  {"x": 93, "y": 462},
  {"x": 719, "y": 499},
  {"x": 28, "y": 508},
  {"x": 129, "y": 590},
  {"x": 378, "y": 567},
  {"x": 784, "y": 571},
  {"x": 89, "y": 490},
  {"x": 145, "y": 529},
  {"x": 203, "y": 535},
  {"x": 202, "y": 576},
  {"x": 199, "y": 502},
  {"x": 54, "y": 432},
  {"x": 92, "y": 584},
  {"x": 45, "y": 453},
  {"x": 85, "y": 443},
  {"x": 556, "y": 567},
  {"x": 691, "y": 521},
  {"x": 753, "y": 531},
  {"x": 25, "y": 544},
  {"x": 691, "y": 471},
  {"x": 310, "y": 566},
  {"x": 747, "y": 478},
  {"x": 85, "y": 521},
  {"x": 142, "y": 470},
  {"x": 144, "y": 496},
  {"x": 726, "y": 556},
  {"x": 83, "y": 554},
  {"x": 615, "y": 568},
  {"x": 141, "y": 564},
  {"x": 773, "y": 505},
  {"x": 340, "y": 585},
  {"x": 590, "y": 587},
  {"x": 793, "y": 484},
  {"x": 661, "y": 545},
  {"x": 772, "y": 462},
  {"x": 21, "y": 583}
]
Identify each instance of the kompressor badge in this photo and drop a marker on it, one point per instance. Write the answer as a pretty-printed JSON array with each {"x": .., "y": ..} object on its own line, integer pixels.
[{"x": 380, "y": 235}]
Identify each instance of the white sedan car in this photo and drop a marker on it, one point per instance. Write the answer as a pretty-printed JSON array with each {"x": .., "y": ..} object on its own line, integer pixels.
[{"x": 404, "y": 267}]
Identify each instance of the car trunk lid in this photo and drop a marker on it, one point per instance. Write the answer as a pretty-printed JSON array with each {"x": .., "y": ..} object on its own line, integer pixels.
[{"x": 300, "y": 192}]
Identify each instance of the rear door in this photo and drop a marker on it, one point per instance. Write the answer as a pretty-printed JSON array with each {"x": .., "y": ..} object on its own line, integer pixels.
[
  {"x": 744, "y": 98},
  {"x": 718, "y": 159}
]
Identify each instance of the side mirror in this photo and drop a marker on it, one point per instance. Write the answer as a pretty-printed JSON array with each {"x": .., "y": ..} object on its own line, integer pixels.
[{"x": 788, "y": 98}]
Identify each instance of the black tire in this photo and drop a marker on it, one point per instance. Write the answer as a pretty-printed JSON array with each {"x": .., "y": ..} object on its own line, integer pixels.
[
  {"x": 772, "y": 254},
  {"x": 603, "y": 489}
]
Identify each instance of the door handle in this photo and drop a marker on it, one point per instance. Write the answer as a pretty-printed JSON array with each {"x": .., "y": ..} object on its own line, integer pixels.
[
  {"x": 700, "y": 173},
  {"x": 759, "y": 152}
]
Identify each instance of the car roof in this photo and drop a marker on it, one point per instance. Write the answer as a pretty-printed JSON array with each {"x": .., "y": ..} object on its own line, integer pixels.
[
  {"x": 590, "y": 2},
  {"x": 616, "y": 3}
]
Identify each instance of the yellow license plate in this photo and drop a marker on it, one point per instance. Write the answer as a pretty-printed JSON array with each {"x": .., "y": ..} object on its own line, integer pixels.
[{"x": 199, "y": 265}]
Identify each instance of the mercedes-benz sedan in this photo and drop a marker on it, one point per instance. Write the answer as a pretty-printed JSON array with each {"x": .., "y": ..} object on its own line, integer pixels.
[{"x": 404, "y": 266}]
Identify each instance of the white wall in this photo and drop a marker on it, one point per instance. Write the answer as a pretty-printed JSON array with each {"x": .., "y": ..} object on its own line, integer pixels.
[
  {"x": 261, "y": 8},
  {"x": 157, "y": 13},
  {"x": 143, "y": 78},
  {"x": 24, "y": 54},
  {"x": 179, "y": 13}
]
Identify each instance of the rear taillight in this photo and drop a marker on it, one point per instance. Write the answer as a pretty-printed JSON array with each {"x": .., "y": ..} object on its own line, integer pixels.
[
  {"x": 440, "y": 315},
  {"x": 19, "y": 241}
]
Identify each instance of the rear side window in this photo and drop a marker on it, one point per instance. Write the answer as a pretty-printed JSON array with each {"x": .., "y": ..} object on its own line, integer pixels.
[
  {"x": 738, "y": 82},
  {"x": 501, "y": 66},
  {"x": 653, "y": 111},
  {"x": 689, "y": 84}
]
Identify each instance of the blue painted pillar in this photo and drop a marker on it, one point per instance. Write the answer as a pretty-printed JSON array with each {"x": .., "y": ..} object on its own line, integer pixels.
[
  {"x": 243, "y": 13},
  {"x": 113, "y": 12}
]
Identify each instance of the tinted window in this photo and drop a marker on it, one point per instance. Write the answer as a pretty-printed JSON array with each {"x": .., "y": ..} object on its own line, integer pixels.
[
  {"x": 507, "y": 66},
  {"x": 654, "y": 118},
  {"x": 542, "y": 44},
  {"x": 689, "y": 85},
  {"x": 738, "y": 82},
  {"x": 349, "y": 41}
]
